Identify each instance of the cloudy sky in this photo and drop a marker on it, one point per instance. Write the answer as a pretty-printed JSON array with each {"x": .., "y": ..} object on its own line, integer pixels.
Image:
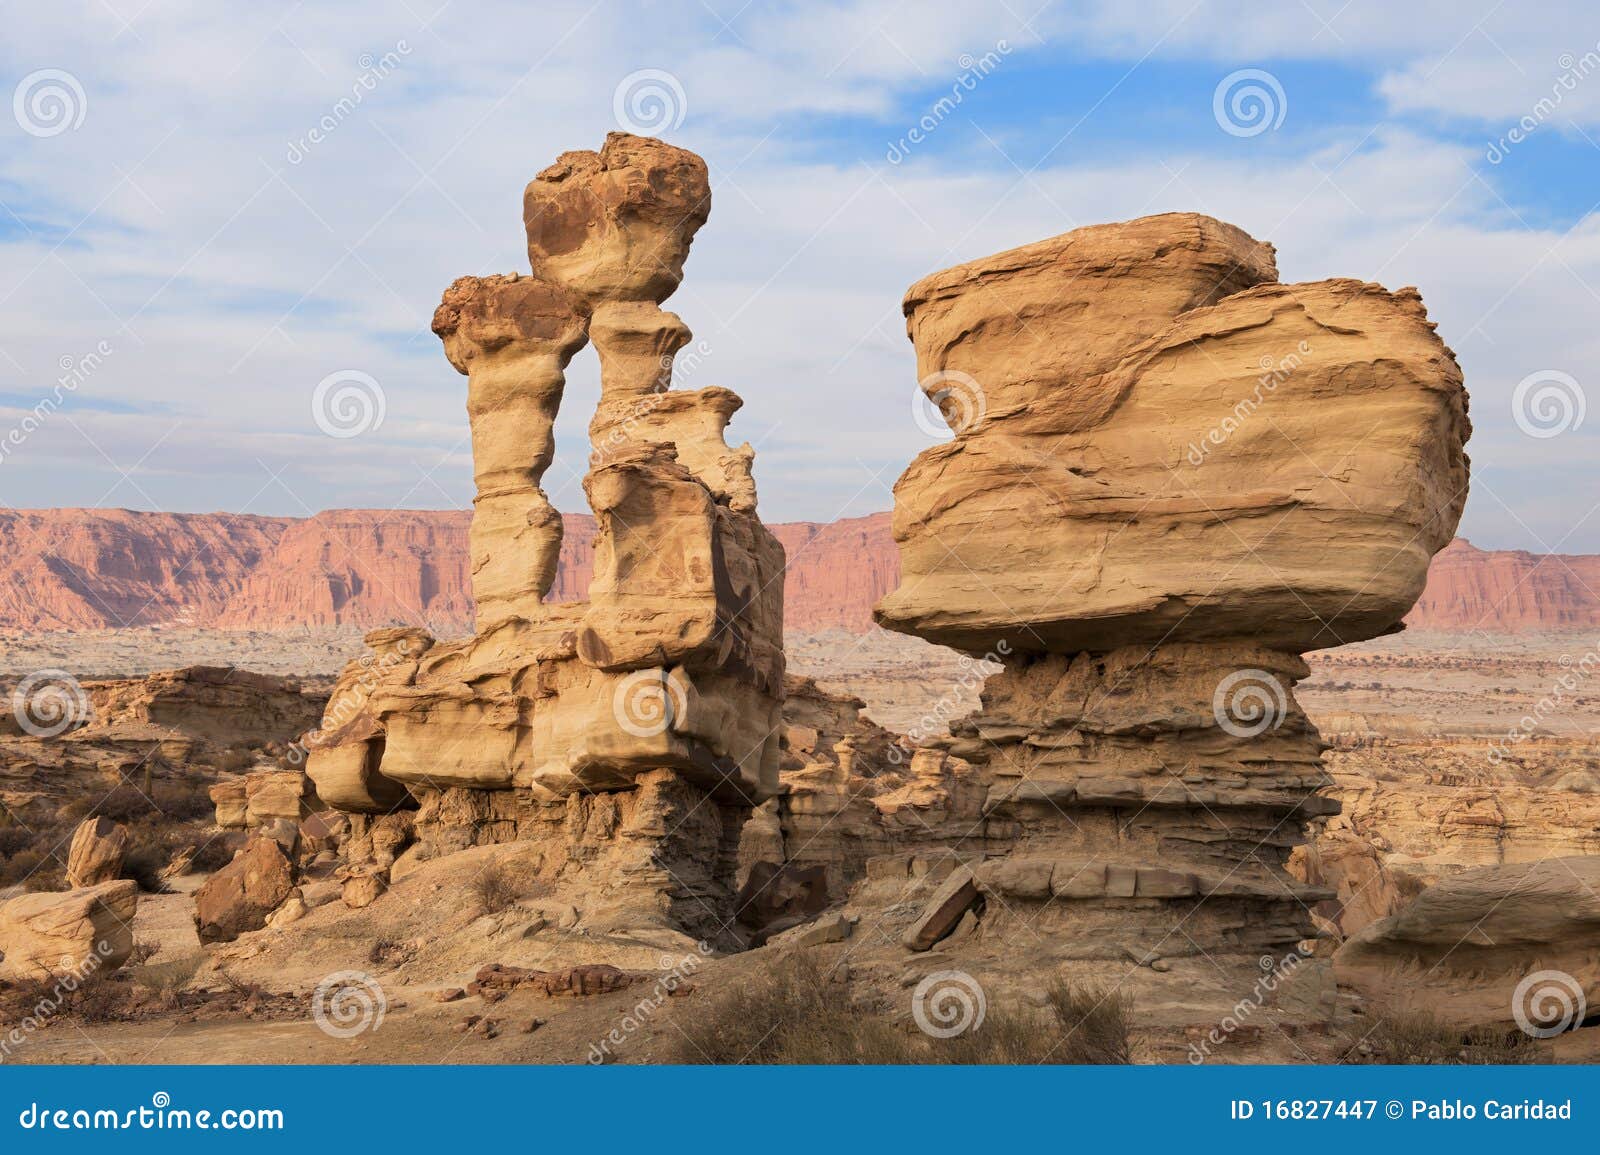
[{"x": 176, "y": 240}]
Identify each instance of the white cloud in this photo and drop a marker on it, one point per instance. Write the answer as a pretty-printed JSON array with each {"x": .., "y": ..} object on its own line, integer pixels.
[{"x": 231, "y": 281}]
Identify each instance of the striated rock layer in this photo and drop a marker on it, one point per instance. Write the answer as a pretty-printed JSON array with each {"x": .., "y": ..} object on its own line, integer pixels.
[
  {"x": 1170, "y": 475},
  {"x": 628, "y": 734},
  {"x": 368, "y": 567}
]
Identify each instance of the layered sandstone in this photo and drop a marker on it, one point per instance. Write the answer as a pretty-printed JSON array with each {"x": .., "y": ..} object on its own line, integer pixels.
[
  {"x": 628, "y": 734},
  {"x": 1147, "y": 556},
  {"x": 369, "y": 568}
]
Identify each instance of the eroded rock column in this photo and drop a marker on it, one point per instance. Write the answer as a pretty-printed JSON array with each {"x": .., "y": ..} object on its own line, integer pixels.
[{"x": 1170, "y": 476}]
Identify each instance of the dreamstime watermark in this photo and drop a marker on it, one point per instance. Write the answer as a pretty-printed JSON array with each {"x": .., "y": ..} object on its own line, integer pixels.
[
  {"x": 73, "y": 974},
  {"x": 49, "y": 102},
  {"x": 1249, "y": 702},
  {"x": 1548, "y": 403},
  {"x": 1274, "y": 973},
  {"x": 48, "y": 703},
  {"x": 1249, "y": 102},
  {"x": 1548, "y": 1003},
  {"x": 947, "y": 404},
  {"x": 160, "y": 1115},
  {"x": 639, "y": 1015},
  {"x": 650, "y": 702},
  {"x": 948, "y": 1003},
  {"x": 649, "y": 102},
  {"x": 74, "y": 372},
  {"x": 373, "y": 72},
  {"x": 1274, "y": 373},
  {"x": 348, "y": 1003},
  {"x": 973, "y": 70},
  {"x": 1561, "y": 696},
  {"x": 348, "y": 403},
  {"x": 352, "y": 699},
  {"x": 1573, "y": 70},
  {"x": 954, "y": 700}
]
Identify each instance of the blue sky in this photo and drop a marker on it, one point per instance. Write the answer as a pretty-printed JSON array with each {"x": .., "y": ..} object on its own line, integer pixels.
[{"x": 180, "y": 218}]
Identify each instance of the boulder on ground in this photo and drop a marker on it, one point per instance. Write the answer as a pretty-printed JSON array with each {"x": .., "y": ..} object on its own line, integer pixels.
[
  {"x": 67, "y": 935},
  {"x": 944, "y": 910},
  {"x": 98, "y": 848},
  {"x": 1496, "y": 946},
  {"x": 239, "y": 897}
]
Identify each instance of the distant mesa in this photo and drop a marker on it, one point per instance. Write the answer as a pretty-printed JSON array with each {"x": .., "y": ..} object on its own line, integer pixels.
[{"x": 93, "y": 569}]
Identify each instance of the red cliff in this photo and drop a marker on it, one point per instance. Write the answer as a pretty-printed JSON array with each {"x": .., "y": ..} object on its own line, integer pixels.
[{"x": 73, "y": 569}]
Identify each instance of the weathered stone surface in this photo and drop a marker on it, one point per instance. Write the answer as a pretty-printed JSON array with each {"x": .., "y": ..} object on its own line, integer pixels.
[
  {"x": 667, "y": 682},
  {"x": 1166, "y": 453},
  {"x": 1169, "y": 475},
  {"x": 1488, "y": 945},
  {"x": 953, "y": 899},
  {"x": 71, "y": 934},
  {"x": 95, "y": 856},
  {"x": 263, "y": 796},
  {"x": 239, "y": 897},
  {"x": 616, "y": 225}
]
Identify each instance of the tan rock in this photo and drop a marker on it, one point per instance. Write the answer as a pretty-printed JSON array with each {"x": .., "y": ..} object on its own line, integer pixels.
[
  {"x": 1145, "y": 423},
  {"x": 95, "y": 856},
  {"x": 616, "y": 225},
  {"x": 67, "y": 935},
  {"x": 239, "y": 897},
  {"x": 364, "y": 888},
  {"x": 667, "y": 683},
  {"x": 1505, "y": 946},
  {"x": 943, "y": 911}
]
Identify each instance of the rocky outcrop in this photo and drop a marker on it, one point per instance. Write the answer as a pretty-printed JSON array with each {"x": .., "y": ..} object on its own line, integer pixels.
[
  {"x": 198, "y": 706},
  {"x": 263, "y": 797},
  {"x": 628, "y": 734},
  {"x": 67, "y": 935},
  {"x": 96, "y": 853},
  {"x": 1508, "y": 591},
  {"x": 368, "y": 568},
  {"x": 850, "y": 791},
  {"x": 1152, "y": 504},
  {"x": 1503, "y": 946},
  {"x": 240, "y": 897}
]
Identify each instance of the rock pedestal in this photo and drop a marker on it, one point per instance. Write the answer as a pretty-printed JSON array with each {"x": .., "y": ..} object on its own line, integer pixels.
[
  {"x": 632, "y": 732},
  {"x": 1170, "y": 475}
]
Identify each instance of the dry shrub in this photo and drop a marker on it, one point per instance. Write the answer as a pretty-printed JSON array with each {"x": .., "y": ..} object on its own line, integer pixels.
[
  {"x": 789, "y": 1013},
  {"x": 1419, "y": 1037},
  {"x": 1097, "y": 1023},
  {"x": 495, "y": 890},
  {"x": 166, "y": 978},
  {"x": 34, "y": 869},
  {"x": 793, "y": 1013}
]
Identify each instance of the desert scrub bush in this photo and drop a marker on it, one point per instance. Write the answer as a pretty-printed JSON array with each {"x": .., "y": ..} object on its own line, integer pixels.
[
  {"x": 166, "y": 978},
  {"x": 794, "y": 1013},
  {"x": 1097, "y": 1023},
  {"x": 495, "y": 890},
  {"x": 1418, "y": 1037},
  {"x": 35, "y": 868},
  {"x": 788, "y": 1013},
  {"x": 147, "y": 856}
]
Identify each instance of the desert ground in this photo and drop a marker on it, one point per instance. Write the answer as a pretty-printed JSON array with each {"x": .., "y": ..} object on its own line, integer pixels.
[{"x": 1411, "y": 721}]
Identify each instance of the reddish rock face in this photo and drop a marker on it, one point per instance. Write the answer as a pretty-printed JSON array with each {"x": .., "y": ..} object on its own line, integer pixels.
[{"x": 372, "y": 567}]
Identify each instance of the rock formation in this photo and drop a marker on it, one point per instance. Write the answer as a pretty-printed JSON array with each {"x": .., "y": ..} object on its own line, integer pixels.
[
  {"x": 67, "y": 935},
  {"x": 98, "y": 848},
  {"x": 1170, "y": 475},
  {"x": 242, "y": 895},
  {"x": 1505, "y": 946},
  {"x": 629, "y": 734},
  {"x": 64, "y": 569}
]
